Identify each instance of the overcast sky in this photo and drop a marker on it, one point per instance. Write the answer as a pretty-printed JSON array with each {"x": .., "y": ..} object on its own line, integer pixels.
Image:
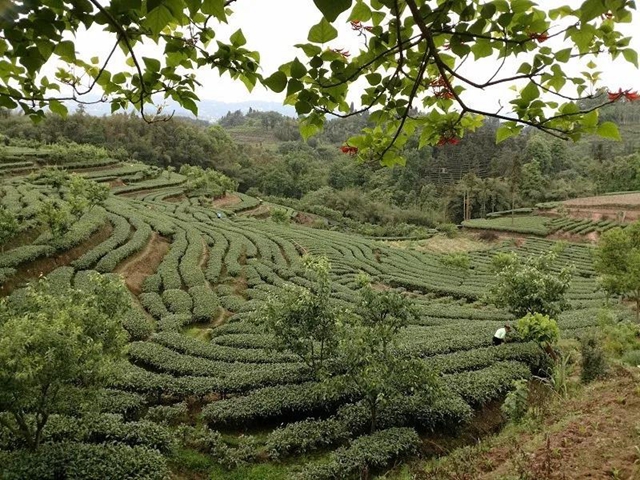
[{"x": 273, "y": 27}]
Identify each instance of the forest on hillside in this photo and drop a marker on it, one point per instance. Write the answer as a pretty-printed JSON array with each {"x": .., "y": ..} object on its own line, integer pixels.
[{"x": 264, "y": 154}]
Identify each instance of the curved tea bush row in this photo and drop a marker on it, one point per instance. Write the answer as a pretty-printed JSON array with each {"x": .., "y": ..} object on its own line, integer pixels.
[
  {"x": 169, "y": 268},
  {"x": 26, "y": 253},
  {"x": 119, "y": 235},
  {"x": 190, "y": 270},
  {"x": 284, "y": 402},
  {"x": 177, "y": 301},
  {"x": 212, "y": 351},
  {"x": 482, "y": 386},
  {"x": 447, "y": 412},
  {"x": 374, "y": 451},
  {"x": 206, "y": 305},
  {"x": 136, "y": 243},
  {"x": 79, "y": 461}
]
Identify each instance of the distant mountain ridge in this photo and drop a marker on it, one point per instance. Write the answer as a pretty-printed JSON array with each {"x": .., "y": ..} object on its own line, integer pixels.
[{"x": 209, "y": 110}]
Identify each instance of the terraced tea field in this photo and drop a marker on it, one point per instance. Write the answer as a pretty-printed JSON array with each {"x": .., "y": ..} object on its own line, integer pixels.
[{"x": 196, "y": 356}]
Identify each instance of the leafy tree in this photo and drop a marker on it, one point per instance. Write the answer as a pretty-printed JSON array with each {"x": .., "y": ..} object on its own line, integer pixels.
[
  {"x": 280, "y": 215},
  {"x": 56, "y": 216},
  {"x": 617, "y": 260},
  {"x": 368, "y": 361},
  {"x": 530, "y": 285},
  {"x": 411, "y": 58},
  {"x": 8, "y": 226},
  {"x": 540, "y": 329},
  {"x": 51, "y": 343},
  {"x": 207, "y": 182},
  {"x": 302, "y": 320}
]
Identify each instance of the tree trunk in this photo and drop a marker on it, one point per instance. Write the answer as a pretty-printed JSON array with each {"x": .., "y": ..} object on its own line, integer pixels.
[{"x": 373, "y": 417}]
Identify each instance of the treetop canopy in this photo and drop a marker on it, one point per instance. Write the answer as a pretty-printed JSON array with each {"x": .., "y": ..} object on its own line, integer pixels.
[{"x": 414, "y": 63}]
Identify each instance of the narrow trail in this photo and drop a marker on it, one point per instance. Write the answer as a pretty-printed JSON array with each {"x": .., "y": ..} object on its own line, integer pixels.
[{"x": 143, "y": 264}]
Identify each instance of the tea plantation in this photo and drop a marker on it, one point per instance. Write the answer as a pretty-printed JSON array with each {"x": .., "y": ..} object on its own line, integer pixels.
[{"x": 197, "y": 358}]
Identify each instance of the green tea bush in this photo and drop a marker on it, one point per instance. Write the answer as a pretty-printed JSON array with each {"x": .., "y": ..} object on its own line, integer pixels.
[
  {"x": 374, "y": 452},
  {"x": 205, "y": 303},
  {"x": 137, "y": 325},
  {"x": 82, "y": 461},
  {"x": 594, "y": 364}
]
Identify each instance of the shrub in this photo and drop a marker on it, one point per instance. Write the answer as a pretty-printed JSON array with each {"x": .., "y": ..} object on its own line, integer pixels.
[
  {"x": 632, "y": 358},
  {"x": 137, "y": 325},
  {"x": 449, "y": 229},
  {"x": 279, "y": 215},
  {"x": 82, "y": 461},
  {"x": 517, "y": 401},
  {"x": 593, "y": 363},
  {"x": 538, "y": 328},
  {"x": 459, "y": 260},
  {"x": 177, "y": 301},
  {"x": 373, "y": 451}
]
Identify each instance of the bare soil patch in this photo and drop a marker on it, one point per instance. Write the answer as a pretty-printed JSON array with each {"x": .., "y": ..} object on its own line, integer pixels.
[
  {"x": 175, "y": 198},
  {"x": 226, "y": 201},
  {"x": 41, "y": 267},
  {"x": 625, "y": 200},
  {"x": 145, "y": 263},
  {"x": 261, "y": 211}
]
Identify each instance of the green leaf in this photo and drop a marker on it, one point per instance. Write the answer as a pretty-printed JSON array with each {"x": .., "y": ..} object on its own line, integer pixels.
[
  {"x": 298, "y": 70},
  {"x": 563, "y": 55},
  {"x": 631, "y": 56},
  {"x": 609, "y": 130},
  {"x": 189, "y": 105},
  {"x": 505, "y": 131},
  {"x": 215, "y": 8},
  {"x": 590, "y": 119},
  {"x": 332, "y": 8},
  {"x": 119, "y": 78},
  {"x": 58, "y": 108},
  {"x": 158, "y": 18},
  {"x": 152, "y": 64},
  {"x": 530, "y": 92},
  {"x": 238, "y": 39},
  {"x": 374, "y": 78},
  {"x": 323, "y": 32},
  {"x": 361, "y": 12},
  {"x": 276, "y": 82},
  {"x": 309, "y": 50},
  {"x": 66, "y": 50}
]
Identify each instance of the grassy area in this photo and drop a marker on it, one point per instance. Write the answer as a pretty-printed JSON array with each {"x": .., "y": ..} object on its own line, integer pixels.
[
  {"x": 442, "y": 244},
  {"x": 594, "y": 433},
  {"x": 528, "y": 224}
]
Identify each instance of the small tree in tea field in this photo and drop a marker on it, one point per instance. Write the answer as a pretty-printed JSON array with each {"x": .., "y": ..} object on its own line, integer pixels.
[
  {"x": 8, "y": 226},
  {"x": 617, "y": 260},
  {"x": 304, "y": 320},
  {"x": 531, "y": 285},
  {"x": 53, "y": 342},
  {"x": 368, "y": 360}
]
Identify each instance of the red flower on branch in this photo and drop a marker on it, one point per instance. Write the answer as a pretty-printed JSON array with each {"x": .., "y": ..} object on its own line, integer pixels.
[
  {"x": 539, "y": 37},
  {"x": 349, "y": 150},
  {"x": 357, "y": 26},
  {"x": 441, "y": 88},
  {"x": 449, "y": 139},
  {"x": 344, "y": 53},
  {"x": 628, "y": 94}
]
